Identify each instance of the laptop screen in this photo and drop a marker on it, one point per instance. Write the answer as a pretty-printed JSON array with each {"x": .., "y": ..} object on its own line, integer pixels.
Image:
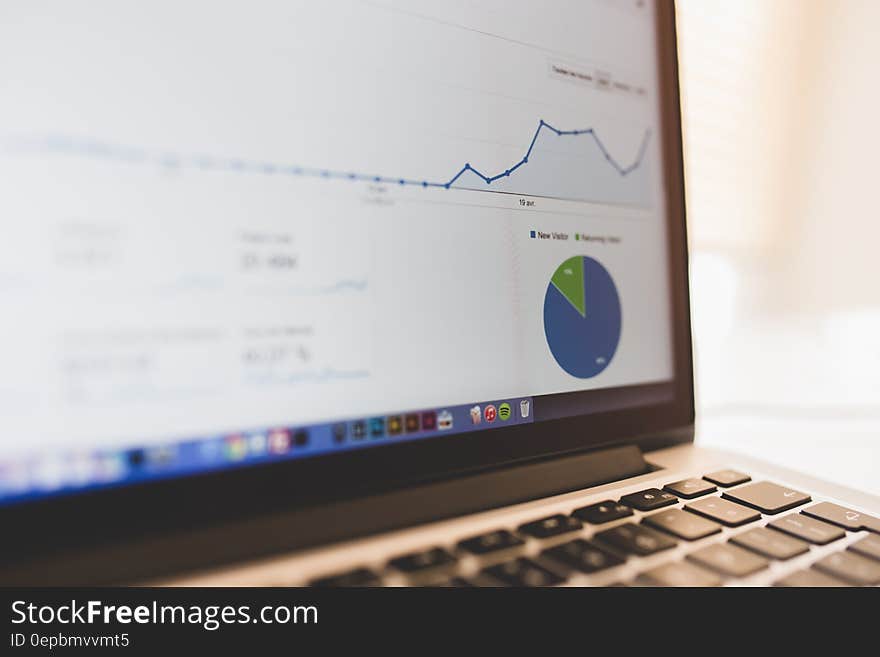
[{"x": 239, "y": 233}]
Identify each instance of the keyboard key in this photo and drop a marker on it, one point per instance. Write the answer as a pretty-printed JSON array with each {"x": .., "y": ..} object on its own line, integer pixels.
[
  {"x": 648, "y": 500},
  {"x": 727, "y": 478},
  {"x": 523, "y": 572},
  {"x": 767, "y": 497},
  {"x": 690, "y": 488},
  {"x": 724, "y": 511},
  {"x": 809, "y": 529},
  {"x": 356, "y": 577},
  {"x": 868, "y": 547},
  {"x": 769, "y": 543},
  {"x": 583, "y": 556},
  {"x": 728, "y": 560},
  {"x": 551, "y": 526},
  {"x": 688, "y": 526},
  {"x": 810, "y": 578},
  {"x": 842, "y": 517},
  {"x": 872, "y": 524},
  {"x": 678, "y": 573},
  {"x": 850, "y": 567},
  {"x": 606, "y": 511},
  {"x": 500, "y": 539},
  {"x": 411, "y": 563},
  {"x": 635, "y": 539}
]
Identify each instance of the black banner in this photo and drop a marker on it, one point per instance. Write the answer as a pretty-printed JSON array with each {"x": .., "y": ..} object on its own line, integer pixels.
[{"x": 133, "y": 620}]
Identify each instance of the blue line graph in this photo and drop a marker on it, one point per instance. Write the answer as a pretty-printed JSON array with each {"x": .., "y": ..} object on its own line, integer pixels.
[
  {"x": 542, "y": 125},
  {"x": 553, "y": 171}
]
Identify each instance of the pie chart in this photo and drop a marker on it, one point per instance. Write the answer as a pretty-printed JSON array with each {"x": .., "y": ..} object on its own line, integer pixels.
[{"x": 582, "y": 317}]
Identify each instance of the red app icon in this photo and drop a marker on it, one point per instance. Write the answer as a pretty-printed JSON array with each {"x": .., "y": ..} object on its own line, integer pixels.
[
  {"x": 429, "y": 421},
  {"x": 490, "y": 413}
]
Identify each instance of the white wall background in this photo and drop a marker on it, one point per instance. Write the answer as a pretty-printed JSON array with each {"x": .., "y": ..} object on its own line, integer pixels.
[{"x": 781, "y": 106}]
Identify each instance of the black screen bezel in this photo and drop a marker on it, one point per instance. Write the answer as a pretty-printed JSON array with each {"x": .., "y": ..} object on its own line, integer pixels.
[{"x": 130, "y": 512}]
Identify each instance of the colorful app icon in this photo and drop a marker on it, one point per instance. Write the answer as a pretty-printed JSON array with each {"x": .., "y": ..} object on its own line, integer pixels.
[
  {"x": 444, "y": 420},
  {"x": 279, "y": 441},
  {"x": 377, "y": 427},
  {"x": 258, "y": 443},
  {"x": 339, "y": 432},
  {"x": 235, "y": 447},
  {"x": 301, "y": 437},
  {"x": 524, "y": 408},
  {"x": 395, "y": 425},
  {"x": 476, "y": 415},
  {"x": 490, "y": 413},
  {"x": 429, "y": 421},
  {"x": 358, "y": 429},
  {"x": 504, "y": 411},
  {"x": 411, "y": 422}
]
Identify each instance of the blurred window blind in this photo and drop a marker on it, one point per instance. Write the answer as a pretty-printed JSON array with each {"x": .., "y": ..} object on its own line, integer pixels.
[{"x": 739, "y": 67}]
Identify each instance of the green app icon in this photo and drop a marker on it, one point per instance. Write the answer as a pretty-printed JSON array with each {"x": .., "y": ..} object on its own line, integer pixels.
[{"x": 504, "y": 411}]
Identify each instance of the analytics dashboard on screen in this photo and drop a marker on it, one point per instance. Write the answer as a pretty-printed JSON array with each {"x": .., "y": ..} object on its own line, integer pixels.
[{"x": 218, "y": 220}]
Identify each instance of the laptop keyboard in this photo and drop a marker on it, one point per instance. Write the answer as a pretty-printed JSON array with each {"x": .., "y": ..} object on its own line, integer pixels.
[{"x": 764, "y": 523}]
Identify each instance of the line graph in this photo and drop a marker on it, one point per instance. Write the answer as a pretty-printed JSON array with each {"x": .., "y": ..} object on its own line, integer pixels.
[
  {"x": 571, "y": 172},
  {"x": 542, "y": 125}
]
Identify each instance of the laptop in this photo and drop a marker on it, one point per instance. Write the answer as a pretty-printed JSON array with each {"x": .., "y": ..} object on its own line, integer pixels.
[{"x": 366, "y": 294}]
